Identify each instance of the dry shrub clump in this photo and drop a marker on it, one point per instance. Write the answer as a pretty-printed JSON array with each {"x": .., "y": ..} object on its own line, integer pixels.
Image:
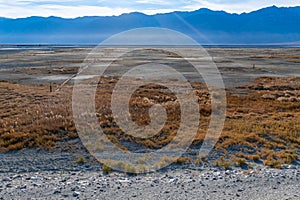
[{"x": 223, "y": 163}]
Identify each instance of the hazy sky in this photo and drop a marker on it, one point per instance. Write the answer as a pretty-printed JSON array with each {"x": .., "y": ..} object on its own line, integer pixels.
[{"x": 77, "y": 8}]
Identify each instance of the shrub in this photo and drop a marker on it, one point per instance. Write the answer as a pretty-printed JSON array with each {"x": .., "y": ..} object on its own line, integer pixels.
[
  {"x": 81, "y": 160},
  {"x": 183, "y": 161},
  {"x": 130, "y": 169},
  {"x": 106, "y": 169},
  {"x": 255, "y": 157},
  {"x": 273, "y": 163},
  {"x": 223, "y": 163},
  {"x": 288, "y": 156},
  {"x": 241, "y": 162}
]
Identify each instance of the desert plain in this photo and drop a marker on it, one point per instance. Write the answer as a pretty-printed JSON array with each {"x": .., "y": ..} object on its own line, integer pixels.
[{"x": 256, "y": 156}]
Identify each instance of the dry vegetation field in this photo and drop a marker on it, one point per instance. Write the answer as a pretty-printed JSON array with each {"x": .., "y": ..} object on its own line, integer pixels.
[{"x": 262, "y": 121}]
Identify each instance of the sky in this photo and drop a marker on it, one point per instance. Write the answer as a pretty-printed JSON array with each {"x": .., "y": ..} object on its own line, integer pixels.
[{"x": 79, "y": 8}]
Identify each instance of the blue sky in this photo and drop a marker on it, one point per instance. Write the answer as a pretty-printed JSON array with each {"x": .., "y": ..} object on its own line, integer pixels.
[{"x": 78, "y": 8}]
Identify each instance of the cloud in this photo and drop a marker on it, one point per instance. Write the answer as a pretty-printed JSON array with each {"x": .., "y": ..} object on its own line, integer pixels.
[
  {"x": 77, "y": 8},
  {"x": 237, "y": 6},
  {"x": 61, "y": 11}
]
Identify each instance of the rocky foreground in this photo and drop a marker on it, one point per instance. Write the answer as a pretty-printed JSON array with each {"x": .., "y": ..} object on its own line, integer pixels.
[
  {"x": 172, "y": 184},
  {"x": 29, "y": 174}
]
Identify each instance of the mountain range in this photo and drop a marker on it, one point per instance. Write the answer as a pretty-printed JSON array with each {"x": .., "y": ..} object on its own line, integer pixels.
[{"x": 271, "y": 25}]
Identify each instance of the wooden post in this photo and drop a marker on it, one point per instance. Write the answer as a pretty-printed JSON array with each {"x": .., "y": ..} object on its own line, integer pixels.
[{"x": 50, "y": 86}]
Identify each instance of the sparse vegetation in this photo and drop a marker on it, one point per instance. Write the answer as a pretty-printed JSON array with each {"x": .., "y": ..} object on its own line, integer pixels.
[
  {"x": 258, "y": 126},
  {"x": 254, "y": 157},
  {"x": 81, "y": 160},
  {"x": 241, "y": 162},
  {"x": 183, "y": 160},
  {"x": 223, "y": 163},
  {"x": 106, "y": 169},
  {"x": 273, "y": 163}
]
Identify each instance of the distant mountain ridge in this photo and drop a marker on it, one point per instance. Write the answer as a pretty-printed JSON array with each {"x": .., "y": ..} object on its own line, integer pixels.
[{"x": 265, "y": 26}]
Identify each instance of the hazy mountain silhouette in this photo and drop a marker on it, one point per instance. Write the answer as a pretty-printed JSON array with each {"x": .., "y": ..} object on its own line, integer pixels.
[{"x": 268, "y": 25}]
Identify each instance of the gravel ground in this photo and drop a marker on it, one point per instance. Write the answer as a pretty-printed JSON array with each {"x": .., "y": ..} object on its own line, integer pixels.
[
  {"x": 171, "y": 184},
  {"x": 33, "y": 174}
]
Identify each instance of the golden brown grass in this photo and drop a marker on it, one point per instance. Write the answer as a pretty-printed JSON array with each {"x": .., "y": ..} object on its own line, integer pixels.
[
  {"x": 223, "y": 163},
  {"x": 257, "y": 127},
  {"x": 106, "y": 169},
  {"x": 277, "y": 56},
  {"x": 81, "y": 160},
  {"x": 31, "y": 117}
]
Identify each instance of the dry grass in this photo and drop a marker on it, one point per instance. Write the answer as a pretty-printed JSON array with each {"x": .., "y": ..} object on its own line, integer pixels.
[
  {"x": 31, "y": 117},
  {"x": 106, "y": 169},
  {"x": 223, "y": 163},
  {"x": 274, "y": 55},
  {"x": 286, "y": 57},
  {"x": 277, "y": 56},
  {"x": 263, "y": 125},
  {"x": 259, "y": 127},
  {"x": 184, "y": 160},
  {"x": 81, "y": 160}
]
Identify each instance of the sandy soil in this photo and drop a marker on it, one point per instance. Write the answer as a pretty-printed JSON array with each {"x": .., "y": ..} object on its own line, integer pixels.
[{"x": 236, "y": 65}]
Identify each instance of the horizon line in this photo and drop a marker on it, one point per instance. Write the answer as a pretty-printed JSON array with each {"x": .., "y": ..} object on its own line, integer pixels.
[{"x": 163, "y": 13}]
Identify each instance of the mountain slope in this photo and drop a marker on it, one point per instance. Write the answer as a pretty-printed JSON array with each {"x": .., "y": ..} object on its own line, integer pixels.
[{"x": 268, "y": 25}]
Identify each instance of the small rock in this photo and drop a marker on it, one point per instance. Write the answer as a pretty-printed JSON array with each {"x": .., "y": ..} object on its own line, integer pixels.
[
  {"x": 23, "y": 187},
  {"x": 240, "y": 190},
  {"x": 17, "y": 176},
  {"x": 239, "y": 180},
  {"x": 76, "y": 194},
  {"x": 217, "y": 173},
  {"x": 227, "y": 172},
  {"x": 6, "y": 179},
  {"x": 56, "y": 192},
  {"x": 291, "y": 167},
  {"x": 156, "y": 181},
  {"x": 35, "y": 178}
]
